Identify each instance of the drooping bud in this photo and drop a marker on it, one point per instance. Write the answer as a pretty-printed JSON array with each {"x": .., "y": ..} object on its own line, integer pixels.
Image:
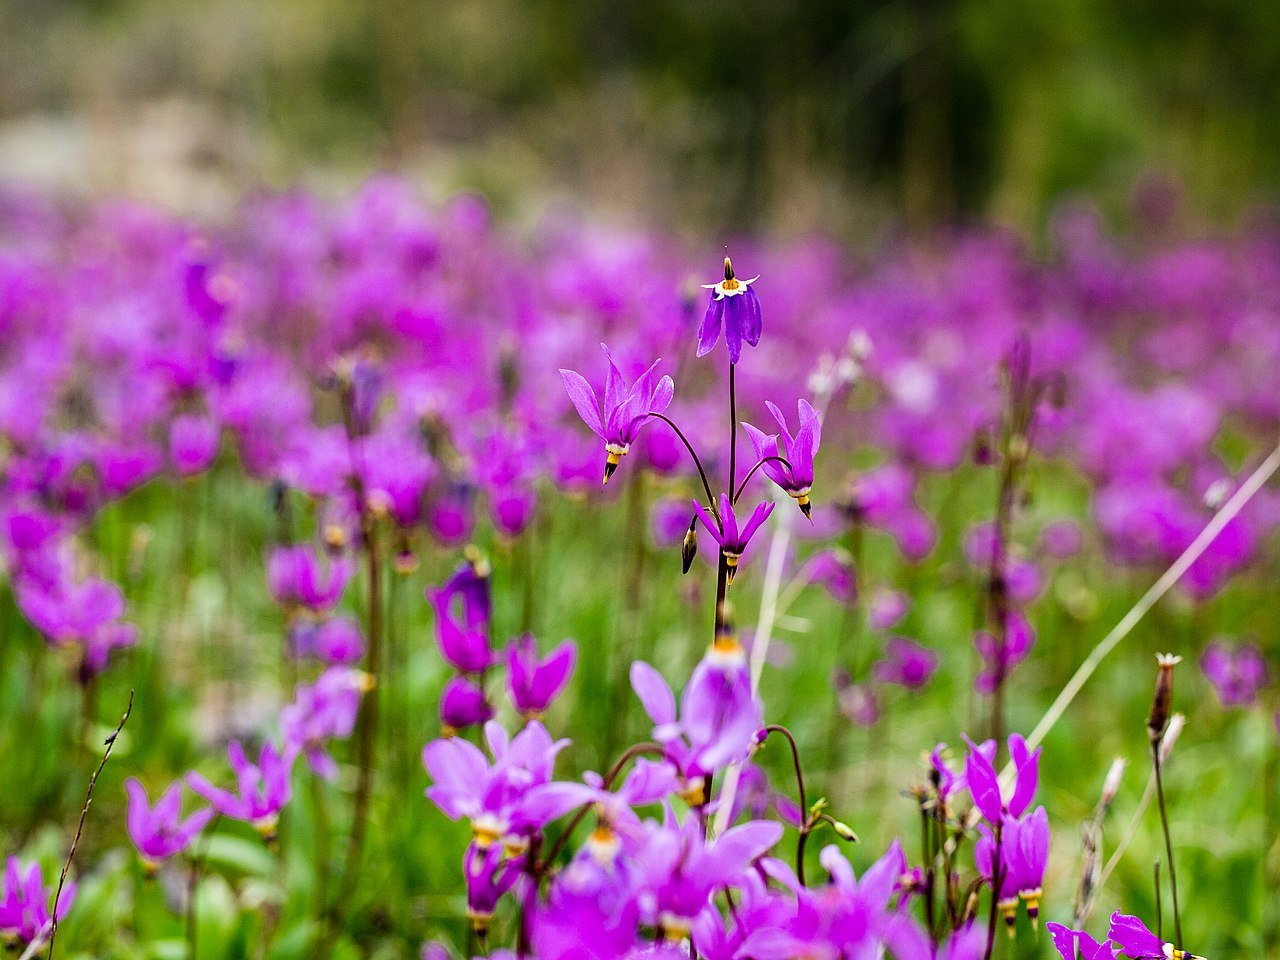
[
  {"x": 844, "y": 831},
  {"x": 689, "y": 547},
  {"x": 1158, "y": 719}
]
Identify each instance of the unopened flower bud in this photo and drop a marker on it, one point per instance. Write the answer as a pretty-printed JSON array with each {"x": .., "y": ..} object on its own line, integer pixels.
[
  {"x": 1158, "y": 719},
  {"x": 1111, "y": 785},
  {"x": 844, "y": 831},
  {"x": 689, "y": 548}
]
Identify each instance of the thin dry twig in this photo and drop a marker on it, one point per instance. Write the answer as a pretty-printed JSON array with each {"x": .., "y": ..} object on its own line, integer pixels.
[{"x": 84, "y": 812}]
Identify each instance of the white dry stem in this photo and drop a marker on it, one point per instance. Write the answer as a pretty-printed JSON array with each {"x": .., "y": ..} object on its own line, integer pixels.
[
  {"x": 778, "y": 546},
  {"x": 1149, "y": 599}
]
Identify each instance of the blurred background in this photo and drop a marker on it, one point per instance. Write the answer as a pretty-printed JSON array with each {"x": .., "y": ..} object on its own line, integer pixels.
[{"x": 696, "y": 114}]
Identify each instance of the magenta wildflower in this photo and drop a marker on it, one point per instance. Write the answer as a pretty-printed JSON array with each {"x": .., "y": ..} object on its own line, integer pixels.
[
  {"x": 262, "y": 789},
  {"x": 906, "y": 663},
  {"x": 796, "y": 475},
  {"x": 535, "y": 683},
  {"x": 509, "y": 798},
  {"x": 1138, "y": 943},
  {"x": 984, "y": 785},
  {"x": 159, "y": 832},
  {"x": 24, "y": 904},
  {"x": 999, "y": 658},
  {"x": 465, "y": 644},
  {"x": 625, "y": 410},
  {"x": 336, "y": 640},
  {"x": 725, "y": 531},
  {"x": 735, "y": 305},
  {"x": 719, "y": 714},
  {"x": 296, "y": 576},
  {"x": 193, "y": 444},
  {"x": 1078, "y": 945},
  {"x": 323, "y": 711},
  {"x": 834, "y": 569},
  {"x": 489, "y": 875},
  {"x": 462, "y": 705},
  {"x": 1238, "y": 674},
  {"x": 84, "y": 614}
]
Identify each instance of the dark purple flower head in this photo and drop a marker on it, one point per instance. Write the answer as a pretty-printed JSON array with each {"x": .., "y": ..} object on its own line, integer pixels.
[
  {"x": 262, "y": 789},
  {"x": 735, "y": 305},
  {"x": 489, "y": 875},
  {"x": 796, "y": 475},
  {"x": 1138, "y": 943},
  {"x": 25, "y": 901},
  {"x": 159, "y": 832},
  {"x": 462, "y": 705},
  {"x": 1237, "y": 674},
  {"x": 625, "y": 409},
  {"x": 535, "y": 683},
  {"x": 732, "y": 539},
  {"x": 297, "y": 576},
  {"x": 906, "y": 663},
  {"x": 465, "y": 644}
]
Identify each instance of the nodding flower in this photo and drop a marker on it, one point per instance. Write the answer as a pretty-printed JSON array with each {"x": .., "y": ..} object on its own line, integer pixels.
[
  {"x": 796, "y": 475},
  {"x": 462, "y": 705},
  {"x": 625, "y": 410},
  {"x": 489, "y": 875},
  {"x": 1138, "y": 943},
  {"x": 159, "y": 832},
  {"x": 297, "y": 577},
  {"x": 1024, "y": 855},
  {"x": 465, "y": 644},
  {"x": 726, "y": 532},
  {"x": 263, "y": 788},
  {"x": 735, "y": 304}
]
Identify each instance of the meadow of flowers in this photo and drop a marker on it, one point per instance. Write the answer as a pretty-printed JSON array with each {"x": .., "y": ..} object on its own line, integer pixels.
[{"x": 322, "y": 636}]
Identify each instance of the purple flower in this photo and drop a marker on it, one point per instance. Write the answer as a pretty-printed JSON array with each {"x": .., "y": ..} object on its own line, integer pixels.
[
  {"x": 906, "y": 663},
  {"x": 296, "y": 576},
  {"x": 857, "y": 701},
  {"x": 462, "y": 705},
  {"x": 1138, "y": 943},
  {"x": 535, "y": 683},
  {"x": 719, "y": 714},
  {"x": 796, "y": 475},
  {"x": 509, "y": 798},
  {"x": 335, "y": 641},
  {"x": 262, "y": 789},
  {"x": 84, "y": 614},
  {"x": 984, "y": 785},
  {"x": 489, "y": 875},
  {"x": 159, "y": 832},
  {"x": 1237, "y": 674},
  {"x": 323, "y": 711},
  {"x": 680, "y": 869},
  {"x": 998, "y": 659},
  {"x": 193, "y": 444},
  {"x": 465, "y": 644},
  {"x": 1078, "y": 945},
  {"x": 625, "y": 410},
  {"x": 887, "y": 608},
  {"x": 735, "y": 304},
  {"x": 834, "y": 570},
  {"x": 733, "y": 541},
  {"x": 24, "y": 903},
  {"x": 1027, "y": 857}
]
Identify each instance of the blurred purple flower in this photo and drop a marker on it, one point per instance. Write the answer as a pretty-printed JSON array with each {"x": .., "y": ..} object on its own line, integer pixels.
[
  {"x": 535, "y": 683},
  {"x": 159, "y": 832},
  {"x": 1238, "y": 673},
  {"x": 735, "y": 305}
]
